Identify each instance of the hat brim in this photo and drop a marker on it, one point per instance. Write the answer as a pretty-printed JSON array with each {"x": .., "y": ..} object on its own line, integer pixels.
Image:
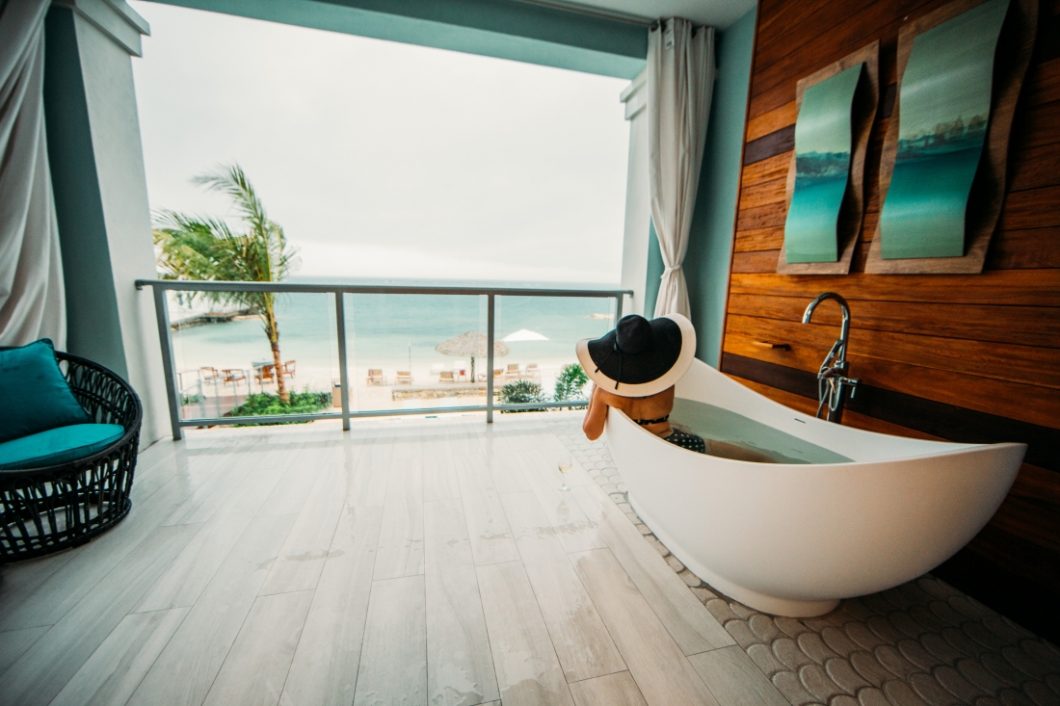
[{"x": 652, "y": 387}]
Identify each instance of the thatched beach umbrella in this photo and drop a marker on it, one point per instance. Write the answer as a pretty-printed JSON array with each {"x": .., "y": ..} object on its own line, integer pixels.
[{"x": 471, "y": 344}]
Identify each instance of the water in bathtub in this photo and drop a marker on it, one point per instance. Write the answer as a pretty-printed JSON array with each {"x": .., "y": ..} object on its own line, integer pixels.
[{"x": 735, "y": 436}]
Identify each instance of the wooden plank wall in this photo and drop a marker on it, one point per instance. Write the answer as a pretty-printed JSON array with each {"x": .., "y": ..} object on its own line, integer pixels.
[{"x": 964, "y": 357}]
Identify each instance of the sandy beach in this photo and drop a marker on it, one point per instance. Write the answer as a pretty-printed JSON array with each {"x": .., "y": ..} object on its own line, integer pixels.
[{"x": 208, "y": 395}]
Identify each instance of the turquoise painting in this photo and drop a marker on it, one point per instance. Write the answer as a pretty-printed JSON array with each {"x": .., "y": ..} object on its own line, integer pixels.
[
  {"x": 823, "y": 142},
  {"x": 944, "y": 108}
]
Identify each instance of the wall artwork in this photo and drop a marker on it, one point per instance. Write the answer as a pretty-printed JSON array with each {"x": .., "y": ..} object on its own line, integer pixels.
[
  {"x": 942, "y": 170},
  {"x": 822, "y": 168},
  {"x": 945, "y": 99},
  {"x": 835, "y": 110}
]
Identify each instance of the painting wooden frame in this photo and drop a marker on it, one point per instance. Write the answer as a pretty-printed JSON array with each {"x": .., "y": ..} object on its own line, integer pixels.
[
  {"x": 866, "y": 100},
  {"x": 988, "y": 189}
]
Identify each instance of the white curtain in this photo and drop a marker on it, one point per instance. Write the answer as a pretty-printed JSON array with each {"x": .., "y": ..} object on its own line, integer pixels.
[
  {"x": 680, "y": 84},
  {"x": 32, "y": 302}
]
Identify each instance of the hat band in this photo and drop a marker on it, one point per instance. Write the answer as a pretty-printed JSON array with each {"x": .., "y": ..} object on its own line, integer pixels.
[{"x": 621, "y": 360}]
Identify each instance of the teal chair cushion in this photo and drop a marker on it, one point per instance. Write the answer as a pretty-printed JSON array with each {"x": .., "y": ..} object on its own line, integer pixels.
[
  {"x": 59, "y": 445},
  {"x": 34, "y": 395}
]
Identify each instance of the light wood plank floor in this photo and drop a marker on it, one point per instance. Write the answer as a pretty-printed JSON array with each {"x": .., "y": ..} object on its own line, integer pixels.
[{"x": 409, "y": 561}]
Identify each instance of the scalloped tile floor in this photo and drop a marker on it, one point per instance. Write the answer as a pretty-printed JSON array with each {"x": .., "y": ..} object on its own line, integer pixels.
[{"x": 922, "y": 643}]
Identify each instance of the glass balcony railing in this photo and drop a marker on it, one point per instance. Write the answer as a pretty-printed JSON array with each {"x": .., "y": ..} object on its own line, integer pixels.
[{"x": 373, "y": 350}]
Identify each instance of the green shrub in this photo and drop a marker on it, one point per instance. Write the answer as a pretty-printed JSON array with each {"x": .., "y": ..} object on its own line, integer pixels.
[
  {"x": 570, "y": 385},
  {"x": 522, "y": 392},
  {"x": 266, "y": 404}
]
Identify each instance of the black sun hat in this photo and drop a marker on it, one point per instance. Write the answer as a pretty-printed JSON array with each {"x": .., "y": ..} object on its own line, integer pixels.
[{"x": 638, "y": 357}]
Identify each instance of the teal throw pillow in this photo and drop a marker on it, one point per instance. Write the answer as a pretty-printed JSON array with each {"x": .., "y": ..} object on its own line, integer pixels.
[{"x": 34, "y": 395}]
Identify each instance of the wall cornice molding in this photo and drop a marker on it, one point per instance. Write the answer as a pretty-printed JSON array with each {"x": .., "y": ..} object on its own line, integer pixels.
[{"x": 114, "y": 18}]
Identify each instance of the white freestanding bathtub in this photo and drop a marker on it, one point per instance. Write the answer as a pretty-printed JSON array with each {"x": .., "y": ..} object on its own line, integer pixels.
[{"x": 793, "y": 538}]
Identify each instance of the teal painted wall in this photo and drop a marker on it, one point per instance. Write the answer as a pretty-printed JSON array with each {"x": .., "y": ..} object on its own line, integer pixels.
[
  {"x": 655, "y": 270},
  {"x": 93, "y": 329},
  {"x": 709, "y": 256},
  {"x": 508, "y": 29}
]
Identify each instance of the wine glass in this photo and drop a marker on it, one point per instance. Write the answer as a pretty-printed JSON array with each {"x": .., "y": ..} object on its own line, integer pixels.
[{"x": 564, "y": 465}]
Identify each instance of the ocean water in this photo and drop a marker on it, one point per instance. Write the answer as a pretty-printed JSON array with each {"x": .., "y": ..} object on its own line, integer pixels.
[
  {"x": 924, "y": 209},
  {"x": 719, "y": 424},
  {"x": 395, "y": 332},
  {"x": 811, "y": 228}
]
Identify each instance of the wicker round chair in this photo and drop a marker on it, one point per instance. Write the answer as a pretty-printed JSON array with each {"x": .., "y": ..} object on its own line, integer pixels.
[{"x": 49, "y": 508}]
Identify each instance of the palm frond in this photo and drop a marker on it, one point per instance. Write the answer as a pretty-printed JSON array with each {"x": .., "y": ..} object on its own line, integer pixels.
[
  {"x": 232, "y": 181},
  {"x": 195, "y": 247}
]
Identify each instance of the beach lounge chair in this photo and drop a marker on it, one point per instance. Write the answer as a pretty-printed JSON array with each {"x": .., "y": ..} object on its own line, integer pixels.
[
  {"x": 232, "y": 375},
  {"x": 264, "y": 373},
  {"x": 288, "y": 368},
  {"x": 513, "y": 372},
  {"x": 446, "y": 376},
  {"x": 403, "y": 377},
  {"x": 532, "y": 371},
  {"x": 208, "y": 374},
  {"x": 375, "y": 376}
]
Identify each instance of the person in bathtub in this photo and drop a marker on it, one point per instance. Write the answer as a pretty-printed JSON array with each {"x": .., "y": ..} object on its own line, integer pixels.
[{"x": 634, "y": 368}]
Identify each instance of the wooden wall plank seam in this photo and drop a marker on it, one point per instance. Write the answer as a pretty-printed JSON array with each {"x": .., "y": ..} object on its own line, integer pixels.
[
  {"x": 782, "y": 140},
  {"x": 984, "y": 322},
  {"x": 1040, "y": 287},
  {"x": 1003, "y": 361}
]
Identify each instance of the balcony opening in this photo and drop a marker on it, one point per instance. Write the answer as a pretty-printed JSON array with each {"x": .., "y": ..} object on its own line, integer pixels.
[{"x": 386, "y": 164}]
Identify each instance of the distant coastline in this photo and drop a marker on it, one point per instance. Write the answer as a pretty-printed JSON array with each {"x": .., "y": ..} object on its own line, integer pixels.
[{"x": 210, "y": 317}]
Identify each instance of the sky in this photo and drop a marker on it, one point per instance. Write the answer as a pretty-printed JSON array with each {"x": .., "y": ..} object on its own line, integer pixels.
[
  {"x": 824, "y": 118},
  {"x": 950, "y": 70},
  {"x": 388, "y": 160}
]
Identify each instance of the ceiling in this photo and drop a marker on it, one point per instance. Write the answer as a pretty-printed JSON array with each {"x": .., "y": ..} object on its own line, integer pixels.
[
  {"x": 604, "y": 37},
  {"x": 717, "y": 13}
]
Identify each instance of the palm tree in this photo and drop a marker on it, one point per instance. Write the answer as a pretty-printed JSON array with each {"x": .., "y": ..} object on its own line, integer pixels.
[{"x": 192, "y": 247}]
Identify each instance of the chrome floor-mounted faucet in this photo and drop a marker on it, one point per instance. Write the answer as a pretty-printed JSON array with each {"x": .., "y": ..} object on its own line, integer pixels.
[{"x": 833, "y": 385}]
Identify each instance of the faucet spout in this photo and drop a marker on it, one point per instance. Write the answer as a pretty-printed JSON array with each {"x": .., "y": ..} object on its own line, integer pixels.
[{"x": 844, "y": 332}]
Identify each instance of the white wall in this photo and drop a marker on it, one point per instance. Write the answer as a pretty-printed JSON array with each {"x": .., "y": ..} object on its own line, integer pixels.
[{"x": 107, "y": 32}]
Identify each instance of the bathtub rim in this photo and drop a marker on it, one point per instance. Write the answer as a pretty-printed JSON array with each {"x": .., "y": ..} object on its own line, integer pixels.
[
  {"x": 706, "y": 384},
  {"x": 953, "y": 448}
]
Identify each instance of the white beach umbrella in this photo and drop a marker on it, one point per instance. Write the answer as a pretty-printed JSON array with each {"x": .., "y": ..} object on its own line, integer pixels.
[{"x": 524, "y": 334}]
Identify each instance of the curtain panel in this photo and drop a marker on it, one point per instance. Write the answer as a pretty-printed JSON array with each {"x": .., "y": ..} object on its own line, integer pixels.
[
  {"x": 32, "y": 301},
  {"x": 680, "y": 84}
]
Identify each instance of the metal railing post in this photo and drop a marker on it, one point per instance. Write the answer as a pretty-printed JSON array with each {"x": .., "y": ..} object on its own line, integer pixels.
[
  {"x": 490, "y": 335},
  {"x": 344, "y": 378},
  {"x": 618, "y": 307},
  {"x": 168, "y": 366}
]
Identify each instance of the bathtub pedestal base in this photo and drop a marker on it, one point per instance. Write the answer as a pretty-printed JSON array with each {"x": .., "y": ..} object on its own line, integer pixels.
[{"x": 753, "y": 599}]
